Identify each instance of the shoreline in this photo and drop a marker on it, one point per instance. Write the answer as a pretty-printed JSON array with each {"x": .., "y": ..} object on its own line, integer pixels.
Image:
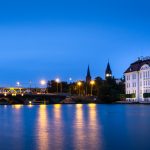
[{"x": 113, "y": 103}]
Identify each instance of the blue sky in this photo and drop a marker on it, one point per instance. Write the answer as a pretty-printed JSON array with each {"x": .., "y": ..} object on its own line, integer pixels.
[{"x": 48, "y": 39}]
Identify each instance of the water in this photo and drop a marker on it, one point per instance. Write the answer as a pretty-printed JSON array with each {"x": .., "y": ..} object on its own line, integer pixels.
[{"x": 79, "y": 127}]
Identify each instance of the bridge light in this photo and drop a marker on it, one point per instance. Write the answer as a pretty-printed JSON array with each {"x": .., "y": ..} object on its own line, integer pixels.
[
  {"x": 14, "y": 94},
  {"x": 5, "y": 94}
]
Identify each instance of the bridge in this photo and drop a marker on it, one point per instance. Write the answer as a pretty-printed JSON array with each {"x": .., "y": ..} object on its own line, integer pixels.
[
  {"x": 20, "y": 90},
  {"x": 16, "y": 95}
]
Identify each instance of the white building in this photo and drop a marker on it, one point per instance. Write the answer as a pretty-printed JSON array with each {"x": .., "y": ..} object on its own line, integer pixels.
[{"x": 137, "y": 79}]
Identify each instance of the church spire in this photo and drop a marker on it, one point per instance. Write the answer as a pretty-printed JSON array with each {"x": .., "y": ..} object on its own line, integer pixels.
[
  {"x": 88, "y": 76},
  {"x": 108, "y": 72}
]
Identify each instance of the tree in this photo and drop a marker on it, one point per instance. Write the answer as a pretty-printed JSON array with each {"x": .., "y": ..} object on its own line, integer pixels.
[{"x": 109, "y": 91}]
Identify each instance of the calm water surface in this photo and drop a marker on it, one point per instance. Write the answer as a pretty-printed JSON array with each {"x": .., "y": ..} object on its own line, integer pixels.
[{"x": 79, "y": 127}]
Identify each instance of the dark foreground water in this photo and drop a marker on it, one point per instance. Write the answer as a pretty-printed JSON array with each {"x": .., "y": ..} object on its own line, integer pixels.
[{"x": 79, "y": 127}]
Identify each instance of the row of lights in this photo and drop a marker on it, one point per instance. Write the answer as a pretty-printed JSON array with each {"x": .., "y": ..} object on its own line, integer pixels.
[
  {"x": 92, "y": 83},
  {"x": 57, "y": 80},
  {"x": 79, "y": 83},
  {"x": 43, "y": 82}
]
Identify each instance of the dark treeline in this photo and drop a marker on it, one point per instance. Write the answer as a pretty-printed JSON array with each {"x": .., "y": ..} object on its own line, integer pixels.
[
  {"x": 109, "y": 90},
  {"x": 106, "y": 91}
]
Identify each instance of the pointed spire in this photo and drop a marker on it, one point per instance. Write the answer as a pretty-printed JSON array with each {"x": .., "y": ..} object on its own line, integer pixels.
[
  {"x": 88, "y": 71},
  {"x": 88, "y": 76},
  {"x": 108, "y": 72}
]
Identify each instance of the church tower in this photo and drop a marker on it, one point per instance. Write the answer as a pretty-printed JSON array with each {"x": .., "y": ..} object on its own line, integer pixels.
[
  {"x": 88, "y": 76},
  {"x": 108, "y": 72}
]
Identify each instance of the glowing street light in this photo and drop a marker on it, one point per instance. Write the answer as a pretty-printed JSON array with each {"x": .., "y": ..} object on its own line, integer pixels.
[
  {"x": 43, "y": 82},
  {"x": 79, "y": 83},
  {"x": 92, "y": 83},
  {"x": 18, "y": 84},
  {"x": 57, "y": 81},
  {"x": 70, "y": 79}
]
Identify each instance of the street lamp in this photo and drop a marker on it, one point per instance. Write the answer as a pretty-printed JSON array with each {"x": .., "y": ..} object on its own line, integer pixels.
[
  {"x": 57, "y": 81},
  {"x": 18, "y": 84},
  {"x": 79, "y": 83},
  {"x": 92, "y": 83},
  {"x": 70, "y": 79},
  {"x": 42, "y": 83}
]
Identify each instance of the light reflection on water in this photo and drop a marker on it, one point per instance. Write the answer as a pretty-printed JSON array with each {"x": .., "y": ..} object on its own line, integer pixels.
[
  {"x": 94, "y": 128},
  {"x": 42, "y": 127},
  {"x": 79, "y": 127},
  {"x": 57, "y": 127},
  {"x": 51, "y": 130},
  {"x": 87, "y": 133},
  {"x": 17, "y": 107},
  {"x": 69, "y": 127}
]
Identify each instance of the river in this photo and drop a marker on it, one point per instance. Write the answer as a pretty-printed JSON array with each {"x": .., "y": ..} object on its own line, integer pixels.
[{"x": 75, "y": 127}]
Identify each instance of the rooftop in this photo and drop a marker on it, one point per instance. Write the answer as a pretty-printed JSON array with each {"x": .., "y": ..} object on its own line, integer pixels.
[{"x": 136, "y": 66}]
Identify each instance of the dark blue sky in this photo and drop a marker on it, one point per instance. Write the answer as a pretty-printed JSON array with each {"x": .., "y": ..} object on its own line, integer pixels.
[{"x": 45, "y": 39}]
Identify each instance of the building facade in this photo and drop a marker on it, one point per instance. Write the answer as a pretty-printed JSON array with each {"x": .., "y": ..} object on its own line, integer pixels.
[{"x": 137, "y": 80}]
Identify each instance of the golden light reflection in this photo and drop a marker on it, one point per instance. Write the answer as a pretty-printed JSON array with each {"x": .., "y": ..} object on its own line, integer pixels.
[
  {"x": 57, "y": 113},
  {"x": 92, "y": 115},
  {"x": 30, "y": 106},
  {"x": 79, "y": 105},
  {"x": 18, "y": 106},
  {"x": 92, "y": 105},
  {"x": 93, "y": 126},
  {"x": 79, "y": 128},
  {"x": 43, "y": 106},
  {"x": 58, "y": 124},
  {"x": 57, "y": 105},
  {"x": 42, "y": 128}
]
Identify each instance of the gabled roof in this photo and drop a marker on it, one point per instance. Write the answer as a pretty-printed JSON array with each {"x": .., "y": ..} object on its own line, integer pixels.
[{"x": 136, "y": 66}]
